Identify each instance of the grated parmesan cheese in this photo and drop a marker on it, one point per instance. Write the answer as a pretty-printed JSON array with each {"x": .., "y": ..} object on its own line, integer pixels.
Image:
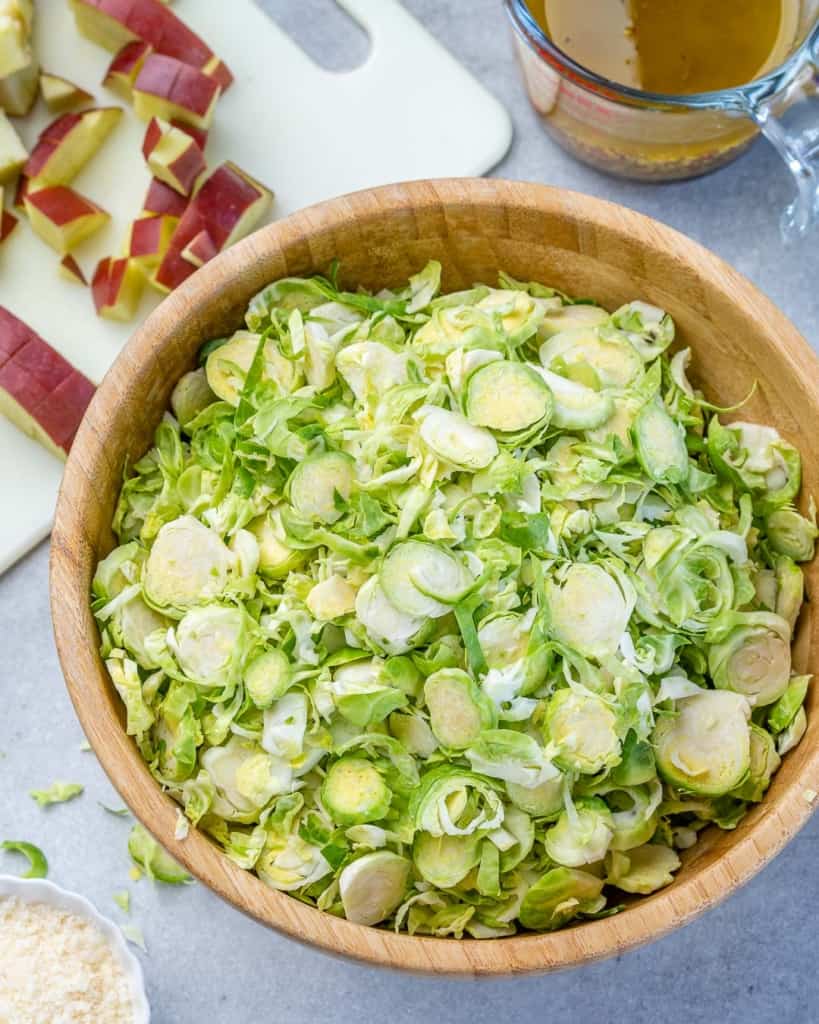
[{"x": 58, "y": 967}]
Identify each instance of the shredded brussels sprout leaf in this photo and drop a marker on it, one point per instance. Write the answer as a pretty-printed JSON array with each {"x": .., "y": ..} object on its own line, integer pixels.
[
  {"x": 455, "y": 613},
  {"x": 57, "y": 793},
  {"x": 38, "y": 865}
]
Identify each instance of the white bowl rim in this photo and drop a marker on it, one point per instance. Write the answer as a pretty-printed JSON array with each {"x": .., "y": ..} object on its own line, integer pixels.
[{"x": 40, "y": 890}]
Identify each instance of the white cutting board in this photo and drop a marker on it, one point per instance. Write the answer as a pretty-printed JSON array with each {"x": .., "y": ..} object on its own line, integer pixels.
[{"x": 410, "y": 111}]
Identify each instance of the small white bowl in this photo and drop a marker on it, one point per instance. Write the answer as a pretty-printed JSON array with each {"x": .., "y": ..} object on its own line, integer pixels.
[{"x": 37, "y": 890}]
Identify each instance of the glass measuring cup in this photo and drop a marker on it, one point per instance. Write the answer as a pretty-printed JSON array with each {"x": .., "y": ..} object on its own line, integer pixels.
[{"x": 655, "y": 137}]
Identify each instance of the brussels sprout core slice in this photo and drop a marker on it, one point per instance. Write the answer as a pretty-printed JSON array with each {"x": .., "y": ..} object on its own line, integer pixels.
[
  {"x": 458, "y": 711},
  {"x": 372, "y": 887},
  {"x": 614, "y": 364},
  {"x": 267, "y": 678},
  {"x": 557, "y": 897},
  {"x": 507, "y": 397},
  {"x": 577, "y": 407},
  {"x": 354, "y": 792},
  {"x": 588, "y": 610},
  {"x": 423, "y": 580},
  {"x": 387, "y": 626},
  {"x": 445, "y": 860},
  {"x": 455, "y": 440},
  {"x": 188, "y": 565},
  {"x": 660, "y": 444},
  {"x": 706, "y": 747},
  {"x": 320, "y": 486},
  {"x": 754, "y": 659},
  {"x": 581, "y": 835},
  {"x": 585, "y": 730}
]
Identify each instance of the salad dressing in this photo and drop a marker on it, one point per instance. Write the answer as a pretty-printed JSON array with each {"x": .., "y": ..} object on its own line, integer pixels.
[{"x": 676, "y": 47}]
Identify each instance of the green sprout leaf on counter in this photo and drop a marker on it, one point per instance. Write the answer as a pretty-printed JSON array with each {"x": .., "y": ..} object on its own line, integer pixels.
[
  {"x": 456, "y": 613},
  {"x": 122, "y": 898},
  {"x": 157, "y": 864},
  {"x": 37, "y": 860},
  {"x": 57, "y": 793}
]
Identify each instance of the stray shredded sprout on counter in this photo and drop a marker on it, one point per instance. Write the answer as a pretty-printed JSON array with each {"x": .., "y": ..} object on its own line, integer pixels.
[{"x": 456, "y": 613}]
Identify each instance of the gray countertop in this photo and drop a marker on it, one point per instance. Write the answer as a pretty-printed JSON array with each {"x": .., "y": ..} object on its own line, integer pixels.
[{"x": 752, "y": 959}]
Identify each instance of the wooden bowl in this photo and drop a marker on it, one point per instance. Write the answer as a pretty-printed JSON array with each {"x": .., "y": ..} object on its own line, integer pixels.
[{"x": 475, "y": 228}]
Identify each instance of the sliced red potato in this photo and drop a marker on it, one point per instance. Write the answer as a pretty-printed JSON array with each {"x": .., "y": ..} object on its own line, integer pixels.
[
  {"x": 113, "y": 23},
  {"x": 163, "y": 201},
  {"x": 148, "y": 240},
  {"x": 13, "y": 153},
  {"x": 40, "y": 391},
  {"x": 219, "y": 72},
  {"x": 60, "y": 95},
  {"x": 169, "y": 89},
  {"x": 173, "y": 156},
  {"x": 67, "y": 144},
  {"x": 199, "y": 250},
  {"x": 116, "y": 288},
  {"x": 62, "y": 217},
  {"x": 72, "y": 271},
  {"x": 123, "y": 70},
  {"x": 229, "y": 203}
]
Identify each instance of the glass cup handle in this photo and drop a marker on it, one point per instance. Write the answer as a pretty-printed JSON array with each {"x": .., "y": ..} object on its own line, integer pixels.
[{"x": 789, "y": 120}]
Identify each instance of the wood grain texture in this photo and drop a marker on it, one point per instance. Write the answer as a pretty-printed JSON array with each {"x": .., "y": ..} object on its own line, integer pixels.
[{"x": 475, "y": 227}]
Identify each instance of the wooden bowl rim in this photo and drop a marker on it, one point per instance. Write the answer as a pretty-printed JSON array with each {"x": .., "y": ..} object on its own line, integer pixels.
[{"x": 645, "y": 920}]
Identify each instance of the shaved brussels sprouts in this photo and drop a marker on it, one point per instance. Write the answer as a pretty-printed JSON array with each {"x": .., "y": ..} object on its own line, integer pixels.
[
  {"x": 320, "y": 486},
  {"x": 705, "y": 747},
  {"x": 458, "y": 710},
  {"x": 585, "y": 731},
  {"x": 581, "y": 835},
  {"x": 507, "y": 397},
  {"x": 354, "y": 792},
  {"x": 444, "y": 861},
  {"x": 460, "y": 614},
  {"x": 588, "y": 610},
  {"x": 644, "y": 869},
  {"x": 189, "y": 564},
  {"x": 558, "y": 896},
  {"x": 373, "y": 886},
  {"x": 752, "y": 656}
]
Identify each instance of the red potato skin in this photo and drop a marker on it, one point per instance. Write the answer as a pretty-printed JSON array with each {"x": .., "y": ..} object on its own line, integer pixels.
[
  {"x": 179, "y": 83},
  {"x": 124, "y": 68},
  {"x": 70, "y": 266},
  {"x": 20, "y": 192},
  {"x": 200, "y": 250},
  {"x": 58, "y": 416},
  {"x": 213, "y": 211},
  {"x": 52, "y": 137},
  {"x": 100, "y": 284},
  {"x": 187, "y": 167},
  {"x": 222, "y": 200},
  {"x": 41, "y": 381},
  {"x": 61, "y": 204},
  {"x": 163, "y": 201},
  {"x": 174, "y": 268},
  {"x": 153, "y": 134},
  {"x": 148, "y": 239},
  {"x": 152, "y": 22},
  {"x": 8, "y": 222}
]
